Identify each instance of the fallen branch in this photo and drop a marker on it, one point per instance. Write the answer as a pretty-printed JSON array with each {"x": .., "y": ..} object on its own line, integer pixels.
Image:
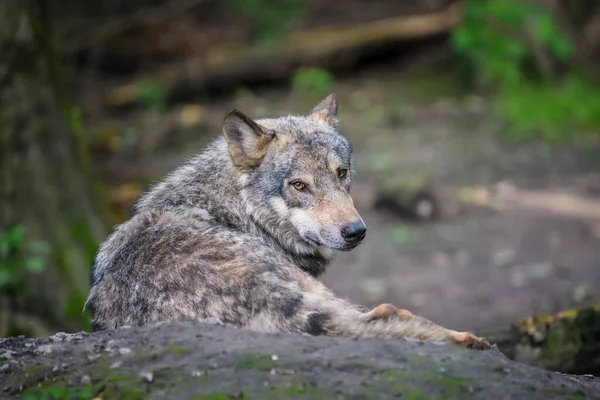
[
  {"x": 506, "y": 196},
  {"x": 77, "y": 36},
  {"x": 326, "y": 47}
]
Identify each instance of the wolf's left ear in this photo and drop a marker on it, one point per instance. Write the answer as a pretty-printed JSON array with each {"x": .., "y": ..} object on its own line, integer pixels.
[
  {"x": 247, "y": 141},
  {"x": 326, "y": 110}
]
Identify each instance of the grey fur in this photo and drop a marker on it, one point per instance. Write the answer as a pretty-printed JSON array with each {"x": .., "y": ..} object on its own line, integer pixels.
[{"x": 229, "y": 235}]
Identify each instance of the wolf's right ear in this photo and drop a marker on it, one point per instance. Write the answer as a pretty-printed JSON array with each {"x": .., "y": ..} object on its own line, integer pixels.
[{"x": 247, "y": 141}]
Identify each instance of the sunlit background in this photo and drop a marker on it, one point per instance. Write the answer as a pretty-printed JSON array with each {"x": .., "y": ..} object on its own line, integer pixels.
[{"x": 475, "y": 126}]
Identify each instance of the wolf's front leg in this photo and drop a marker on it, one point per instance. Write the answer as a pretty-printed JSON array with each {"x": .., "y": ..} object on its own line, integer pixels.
[
  {"x": 387, "y": 316},
  {"x": 320, "y": 312}
]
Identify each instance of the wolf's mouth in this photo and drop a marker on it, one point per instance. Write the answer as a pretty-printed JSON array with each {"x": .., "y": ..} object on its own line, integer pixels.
[
  {"x": 313, "y": 239},
  {"x": 349, "y": 247}
]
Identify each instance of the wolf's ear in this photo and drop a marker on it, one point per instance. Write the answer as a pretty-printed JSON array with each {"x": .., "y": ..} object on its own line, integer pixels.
[
  {"x": 326, "y": 110},
  {"x": 247, "y": 141}
]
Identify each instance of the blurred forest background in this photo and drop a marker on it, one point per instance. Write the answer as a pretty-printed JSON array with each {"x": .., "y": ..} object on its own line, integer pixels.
[{"x": 476, "y": 125}]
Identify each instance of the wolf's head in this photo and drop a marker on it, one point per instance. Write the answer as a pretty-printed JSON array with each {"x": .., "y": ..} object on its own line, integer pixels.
[{"x": 295, "y": 175}]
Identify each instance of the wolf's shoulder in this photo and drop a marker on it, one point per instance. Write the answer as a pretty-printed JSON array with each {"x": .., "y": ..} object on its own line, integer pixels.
[{"x": 161, "y": 239}]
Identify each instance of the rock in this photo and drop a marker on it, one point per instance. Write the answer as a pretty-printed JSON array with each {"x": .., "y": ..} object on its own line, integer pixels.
[
  {"x": 311, "y": 367},
  {"x": 44, "y": 349},
  {"x": 417, "y": 198},
  {"x": 124, "y": 351},
  {"x": 566, "y": 341},
  {"x": 581, "y": 292},
  {"x": 148, "y": 376},
  {"x": 504, "y": 258},
  {"x": 541, "y": 270},
  {"x": 58, "y": 337}
]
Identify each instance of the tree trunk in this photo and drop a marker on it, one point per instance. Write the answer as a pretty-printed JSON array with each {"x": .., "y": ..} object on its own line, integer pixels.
[{"x": 46, "y": 186}]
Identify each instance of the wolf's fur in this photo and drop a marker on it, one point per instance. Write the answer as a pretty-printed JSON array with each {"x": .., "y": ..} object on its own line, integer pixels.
[{"x": 228, "y": 236}]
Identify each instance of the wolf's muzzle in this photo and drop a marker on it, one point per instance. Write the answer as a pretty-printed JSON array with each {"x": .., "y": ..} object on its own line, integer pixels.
[{"x": 354, "y": 232}]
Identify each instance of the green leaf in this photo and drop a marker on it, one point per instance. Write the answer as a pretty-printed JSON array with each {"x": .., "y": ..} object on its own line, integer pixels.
[
  {"x": 75, "y": 119},
  {"x": 4, "y": 248},
  {"x": 6, "y": 278},
  {"x": 545, "y": 29},
  {"x": 563, "y": 48},
  {"x": 508, "y": 12},
  {"x": 462, "y": 39},
  {"x": 38, "y": 247},
  {"x": 517, "y": 49},
  {"x": 35, "y": 264},
  {"x": 15, "y": 235},
  {"x": 312, "y": 79}
]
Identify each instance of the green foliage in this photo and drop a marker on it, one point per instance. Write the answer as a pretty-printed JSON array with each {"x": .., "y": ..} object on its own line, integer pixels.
[
  {"x": 62, "y": 393},
  {"x": 153, "y": 95},
  {"x": 518, "y": 48},
  {"x": 19, "y": 256},
  {"x": 270, "y": 19},
  {"x": 309, "y": 79},
  {"x": 557, "y": 113},
  {"x": 311, "y": 84},
  {"x": 75, "y": 119},
  {"x": 500, "y": 37}
]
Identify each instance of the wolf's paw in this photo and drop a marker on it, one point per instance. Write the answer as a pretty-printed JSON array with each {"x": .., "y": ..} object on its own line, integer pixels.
[{"x": 465, "y": 339}]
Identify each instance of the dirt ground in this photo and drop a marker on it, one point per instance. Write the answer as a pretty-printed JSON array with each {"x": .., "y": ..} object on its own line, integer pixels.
[{"x": 480, "y": 270}]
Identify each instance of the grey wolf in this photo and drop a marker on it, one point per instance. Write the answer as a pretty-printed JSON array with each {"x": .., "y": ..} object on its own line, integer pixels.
[{"x": 241, "y": 233}]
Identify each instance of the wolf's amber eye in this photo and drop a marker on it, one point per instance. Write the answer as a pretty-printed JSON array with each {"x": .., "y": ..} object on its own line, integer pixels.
[
  {"x": 298, "y": 185},
  {"x": 342, "y": 173}
]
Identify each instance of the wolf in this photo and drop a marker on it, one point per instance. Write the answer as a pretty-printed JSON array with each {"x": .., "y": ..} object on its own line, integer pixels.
[{"x": 241, "y": 233}]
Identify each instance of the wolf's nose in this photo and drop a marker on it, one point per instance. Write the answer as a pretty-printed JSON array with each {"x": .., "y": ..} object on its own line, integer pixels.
[{"x": 354, "y": 232}]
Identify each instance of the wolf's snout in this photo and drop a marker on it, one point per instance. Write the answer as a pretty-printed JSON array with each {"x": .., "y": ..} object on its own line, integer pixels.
[{"x": 354, "y": 232}]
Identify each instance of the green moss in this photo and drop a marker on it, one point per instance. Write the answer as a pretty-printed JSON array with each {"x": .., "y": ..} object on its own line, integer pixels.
[
  {"x": 125, "y": 387},
  {"x": 176, "y": 349},
  {"x": 35, "y": 369},
  {"x": 38, "y": 372},
  {"x": 561, "y": 341},
  {"x": 292, "y": 391},
  {"x": 56, "y": 391},
  {"x": 403, "y": 381},
  {"x": 260, "y": 362},
  {"x": 414, "y": 394},
  {"x": 452, "y": 383},
  {"x": 212, "y": 396},
  {"x": 300, "y": 391},
  {"x": 564, "y": 341}
]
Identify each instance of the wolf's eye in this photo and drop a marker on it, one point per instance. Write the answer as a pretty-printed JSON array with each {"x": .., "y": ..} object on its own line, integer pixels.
[
  {"x": 298, "y": 185},
  {"x": 342, "y": 173}
]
